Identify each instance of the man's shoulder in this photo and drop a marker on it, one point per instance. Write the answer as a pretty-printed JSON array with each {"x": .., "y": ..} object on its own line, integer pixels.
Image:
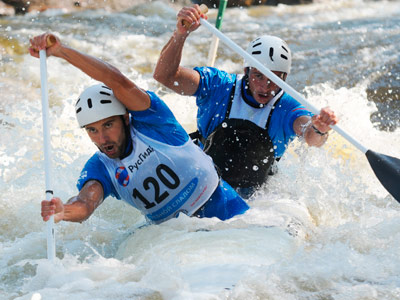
[
  {"x": 92, "y": 166},
  {"x": 288, "y": 109},
  {"x": 94, "y": 162},
  {"x": 157, "y": 107},
  {"x": 287, "y": 102},
  {"x": 211, "y": 72},
  {"x": 286, "y": 98}
]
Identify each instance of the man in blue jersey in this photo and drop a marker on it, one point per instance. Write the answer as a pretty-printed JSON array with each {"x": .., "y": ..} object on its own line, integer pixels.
[
  {"x": 145, "y": 157},
  {"x": 245, "y": 122}
]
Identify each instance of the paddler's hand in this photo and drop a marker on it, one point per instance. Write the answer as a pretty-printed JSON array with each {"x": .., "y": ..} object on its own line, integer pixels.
[
  {"x": 325, "y": 118},
  {"x": 46, "y": 41},
  {"x": 189, "y": 19},
  {"x": 53, "y": 207}
]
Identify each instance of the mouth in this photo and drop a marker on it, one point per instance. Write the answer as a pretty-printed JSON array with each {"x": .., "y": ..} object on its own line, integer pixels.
[
  {"x": 109, "y": 149},
  {"x": 264, "y": 96}
]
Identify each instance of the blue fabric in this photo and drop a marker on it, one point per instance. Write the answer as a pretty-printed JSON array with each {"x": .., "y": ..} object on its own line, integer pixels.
[
  {"x": 213, "y": 96},
  {"x": 224, "y": 203},
  {"x": 94, "y": 169},
  {"x": 159, "y": 123}
]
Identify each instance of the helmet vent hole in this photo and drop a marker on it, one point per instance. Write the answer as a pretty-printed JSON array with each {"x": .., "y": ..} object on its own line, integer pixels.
[
  {"x": 256, "y": 45},
  {"x": 284, "y": 56},
  {"x": 105, "y": 101},
  {"x": 287, "y": 51},
  {"x": 271, "y": 53},
  {"x": 97, "y": 103},
  {"x": 256, "y": 52}
]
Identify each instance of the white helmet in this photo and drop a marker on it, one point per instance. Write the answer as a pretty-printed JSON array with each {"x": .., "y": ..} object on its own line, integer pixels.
[
  {"x": 97, "y": 103},
  {"x": 272, "y": 52}
]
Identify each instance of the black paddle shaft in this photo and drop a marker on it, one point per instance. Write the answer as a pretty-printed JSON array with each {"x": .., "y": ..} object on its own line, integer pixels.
[{"x": 387, "y": 169}]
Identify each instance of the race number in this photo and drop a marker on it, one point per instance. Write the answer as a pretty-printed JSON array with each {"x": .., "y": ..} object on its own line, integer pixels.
[{"x": 166, "y": 177}]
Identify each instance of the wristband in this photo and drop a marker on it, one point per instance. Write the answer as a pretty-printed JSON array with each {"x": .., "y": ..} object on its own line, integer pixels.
[{"x": 317, "y": 131}]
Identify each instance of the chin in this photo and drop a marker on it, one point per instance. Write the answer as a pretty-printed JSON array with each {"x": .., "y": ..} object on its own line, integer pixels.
[
  {"x": 263, "y": 101},
  {"x": 113, "y": 156}
]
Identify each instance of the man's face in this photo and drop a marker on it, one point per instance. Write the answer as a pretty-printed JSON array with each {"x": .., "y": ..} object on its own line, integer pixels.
[
  {"x": 261, "y": 88},
  {"x": 109, "y": 135}
]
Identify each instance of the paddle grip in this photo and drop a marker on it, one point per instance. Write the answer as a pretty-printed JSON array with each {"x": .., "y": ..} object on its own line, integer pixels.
[{"x": 203, "y": 9}]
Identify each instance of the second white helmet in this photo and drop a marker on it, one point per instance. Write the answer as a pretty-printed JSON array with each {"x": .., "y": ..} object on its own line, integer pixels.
[
  {"x": 97, "y": 103},
  {"x": 272, "y": 52}
]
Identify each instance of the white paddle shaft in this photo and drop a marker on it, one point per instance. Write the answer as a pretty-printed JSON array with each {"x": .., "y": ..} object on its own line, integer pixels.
[
  {"x": 283, "y": 85},
  {"x": 51, "y": 242}
]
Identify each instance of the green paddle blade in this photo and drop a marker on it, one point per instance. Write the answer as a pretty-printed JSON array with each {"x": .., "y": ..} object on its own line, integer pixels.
[{"x": 387, "y": 169}]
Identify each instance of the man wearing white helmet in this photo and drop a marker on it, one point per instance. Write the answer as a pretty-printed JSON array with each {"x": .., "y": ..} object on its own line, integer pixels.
[
  {"x": 245, "y": 122},
  {"x": 139, "y": 160}
]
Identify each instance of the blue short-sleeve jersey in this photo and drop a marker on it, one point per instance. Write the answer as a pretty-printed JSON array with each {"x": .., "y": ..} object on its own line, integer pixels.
[
  {"x": 213, "y": 96},
  {"x": 156, "y": 122}
]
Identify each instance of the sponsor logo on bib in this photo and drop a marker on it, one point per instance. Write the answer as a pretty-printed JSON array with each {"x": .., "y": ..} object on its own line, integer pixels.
[{"x": 122, "y": 176}]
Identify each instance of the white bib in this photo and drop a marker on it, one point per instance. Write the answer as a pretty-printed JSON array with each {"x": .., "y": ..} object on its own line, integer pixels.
[
  {"x": 241, "y": 110},
  {"x": 162, "y": 180}
]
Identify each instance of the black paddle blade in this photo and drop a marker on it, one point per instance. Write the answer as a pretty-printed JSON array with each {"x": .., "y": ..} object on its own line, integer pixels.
[{"x": 387, "y": 169}]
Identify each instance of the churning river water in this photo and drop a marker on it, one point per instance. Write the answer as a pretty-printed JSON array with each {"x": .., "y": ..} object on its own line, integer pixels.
[{"x": 322, "y": 228}]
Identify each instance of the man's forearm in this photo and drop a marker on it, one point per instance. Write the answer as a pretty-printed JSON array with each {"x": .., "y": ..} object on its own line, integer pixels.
[
  {"x": 95, "y": 68},
  {"x": 76, "y": 210},
  {"x": 303, "y": 126},
  {"x": 170, "y": 58},
  {"x": 81, "y": 207},
  {"x": 313, "y": 138},
  {"x": 170, "y": 73}
]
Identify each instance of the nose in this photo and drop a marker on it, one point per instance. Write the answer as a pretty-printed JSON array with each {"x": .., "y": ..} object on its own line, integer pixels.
[
  {"x": 265, "y": 85},
  {"x": 102, "y": 137},
  {"x": 269, "y": 82}
]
